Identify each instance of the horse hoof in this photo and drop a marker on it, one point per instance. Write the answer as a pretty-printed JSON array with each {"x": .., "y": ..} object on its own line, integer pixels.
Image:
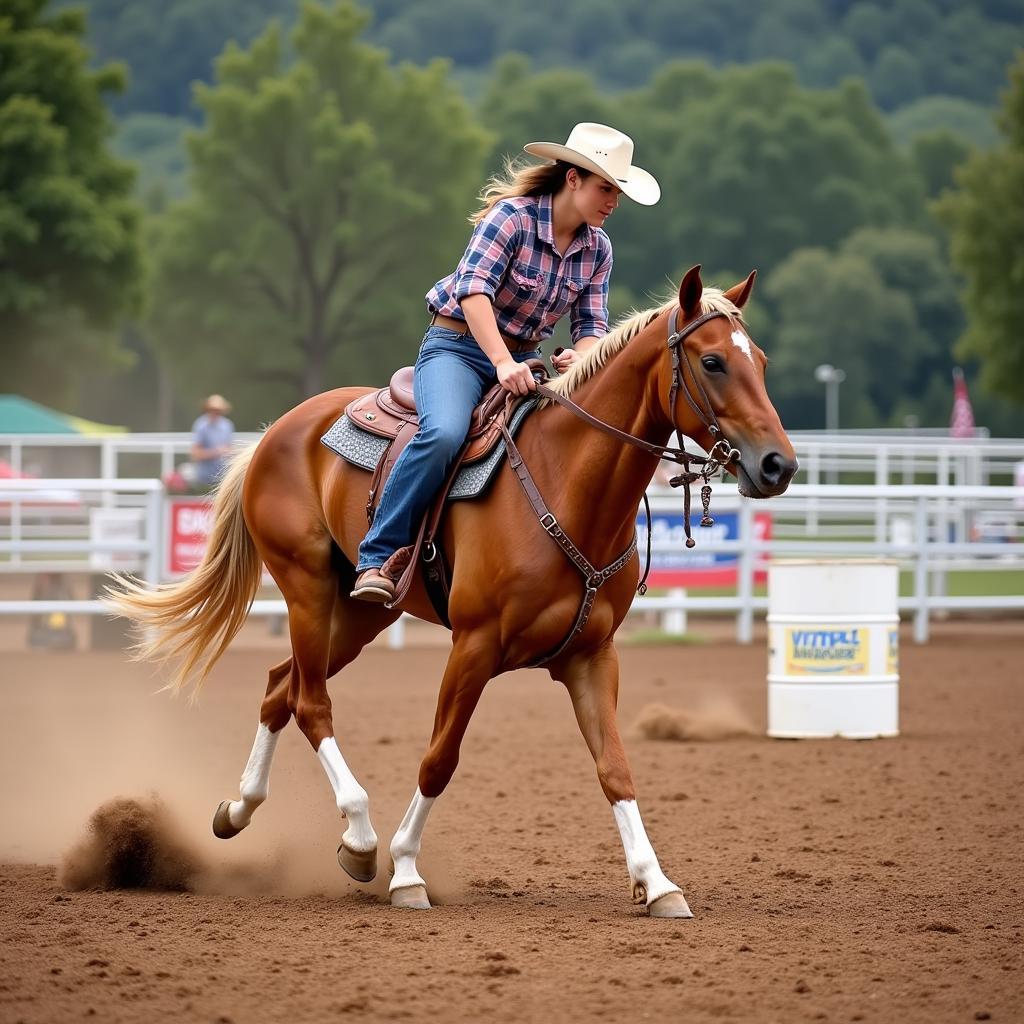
[
  {"x": 410, "y": 897},
  {"x": 222, "y": 827},
  {"x": 358, "y": 865},
  {"x": 672, "y": 904}
]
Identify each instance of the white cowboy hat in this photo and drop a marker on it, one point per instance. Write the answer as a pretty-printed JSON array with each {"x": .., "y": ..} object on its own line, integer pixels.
[
  {"x": 217, "y": 403},
  {"x": 607, "y": 152}
]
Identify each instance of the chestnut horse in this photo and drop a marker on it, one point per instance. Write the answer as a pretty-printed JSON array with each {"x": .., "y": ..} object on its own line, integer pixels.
[{"x": 292, "y": 505}]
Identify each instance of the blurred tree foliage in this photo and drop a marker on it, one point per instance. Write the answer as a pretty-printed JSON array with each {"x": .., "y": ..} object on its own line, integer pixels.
[
  {"x": 322, "y": 175},
  {"x": 986, "y": 216},
  {"x": 904, "y": 48},
  {"x": 753, "y": 167},
  {"x": 69, "y": 259},
  {"x": 170, "y": 45},
  {"x": 328, "y": 193},
  {"x": 155, "y": 143},
  {"x": 969, "y": 121},
  {"x": 883, "y": 306}
]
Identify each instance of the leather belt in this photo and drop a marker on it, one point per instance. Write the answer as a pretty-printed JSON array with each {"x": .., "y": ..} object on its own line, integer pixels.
[{"x": 461, "y": 327}]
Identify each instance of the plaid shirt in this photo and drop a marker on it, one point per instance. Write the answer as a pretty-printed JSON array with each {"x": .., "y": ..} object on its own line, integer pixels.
[{"x": 512, "y": 259}]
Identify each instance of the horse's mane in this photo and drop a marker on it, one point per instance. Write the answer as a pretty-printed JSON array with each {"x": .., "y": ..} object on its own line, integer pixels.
[{"x": 712, "y": 300}]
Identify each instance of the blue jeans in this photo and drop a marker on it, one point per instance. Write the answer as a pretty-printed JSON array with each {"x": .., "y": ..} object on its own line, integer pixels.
[{"x": 452, "y": 375}]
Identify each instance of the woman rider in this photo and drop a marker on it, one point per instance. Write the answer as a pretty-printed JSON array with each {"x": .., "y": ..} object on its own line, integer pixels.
[{"x": 538, "y": 252}]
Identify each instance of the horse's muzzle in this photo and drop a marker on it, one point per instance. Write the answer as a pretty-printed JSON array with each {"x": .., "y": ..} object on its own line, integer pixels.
[
  {"x": 770, "y": 477},
  {"x": 776, "y": 472}
]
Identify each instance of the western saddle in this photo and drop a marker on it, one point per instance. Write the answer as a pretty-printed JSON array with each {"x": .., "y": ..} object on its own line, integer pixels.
[{"x": 391, "y": 413}]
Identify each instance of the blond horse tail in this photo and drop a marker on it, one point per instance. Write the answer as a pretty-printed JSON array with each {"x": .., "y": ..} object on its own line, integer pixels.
[{"x": 191, "y": 622}]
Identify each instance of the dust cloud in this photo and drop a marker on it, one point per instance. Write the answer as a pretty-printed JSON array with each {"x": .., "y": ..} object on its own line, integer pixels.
[
  {"x": 130, "y": 844},
  {"x": 138, "y": 844},
  {"x": 712, "y": 721}
]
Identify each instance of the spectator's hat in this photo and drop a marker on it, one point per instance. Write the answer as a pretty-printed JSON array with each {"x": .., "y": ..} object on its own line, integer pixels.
[
  {"x": 604, "y": 151},
  {"x": 216, "y": 403}
]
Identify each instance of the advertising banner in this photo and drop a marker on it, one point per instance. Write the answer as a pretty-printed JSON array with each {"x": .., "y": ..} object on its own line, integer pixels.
[
  {"x": 188, "y": 527},
  {"x": 696, "y": 567}
]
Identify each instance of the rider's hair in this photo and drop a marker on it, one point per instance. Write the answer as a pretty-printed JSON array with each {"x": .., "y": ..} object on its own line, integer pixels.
[{"x": 521, "y": 179}]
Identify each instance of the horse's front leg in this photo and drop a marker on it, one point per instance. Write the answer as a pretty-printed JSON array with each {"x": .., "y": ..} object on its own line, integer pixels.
[
  {"x": 593, "y": 685},
  {"x": 471, "y": 664}
]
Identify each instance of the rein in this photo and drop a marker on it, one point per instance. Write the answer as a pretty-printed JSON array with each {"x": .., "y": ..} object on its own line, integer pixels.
[{"x": 722, "y": 454}]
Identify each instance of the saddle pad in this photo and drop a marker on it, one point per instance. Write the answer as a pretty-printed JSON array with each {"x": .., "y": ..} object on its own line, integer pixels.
[{"x": 364, "y": 450}]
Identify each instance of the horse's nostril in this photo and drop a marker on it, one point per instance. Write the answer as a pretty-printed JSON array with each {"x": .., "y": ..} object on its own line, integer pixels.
[{"x": 775, "y": 468}]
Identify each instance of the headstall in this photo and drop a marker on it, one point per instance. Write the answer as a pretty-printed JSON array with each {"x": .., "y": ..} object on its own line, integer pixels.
[{"x": 722, "y": 454}]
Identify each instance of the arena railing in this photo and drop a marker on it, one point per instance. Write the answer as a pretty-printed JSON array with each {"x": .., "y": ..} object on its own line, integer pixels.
[
  {"x": 884, "y": 458},
  {"x": 931, "y": 531}
]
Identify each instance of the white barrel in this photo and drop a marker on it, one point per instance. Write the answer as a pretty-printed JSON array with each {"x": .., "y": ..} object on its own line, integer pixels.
[{"x": 833, "y": 649}]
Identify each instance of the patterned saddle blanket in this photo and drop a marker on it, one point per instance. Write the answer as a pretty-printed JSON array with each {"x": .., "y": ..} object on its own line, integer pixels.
[{"x": 372, "y": 431}]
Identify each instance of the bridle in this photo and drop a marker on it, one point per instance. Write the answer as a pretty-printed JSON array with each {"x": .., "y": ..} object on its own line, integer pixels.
[{"x": 723, "y": 453}]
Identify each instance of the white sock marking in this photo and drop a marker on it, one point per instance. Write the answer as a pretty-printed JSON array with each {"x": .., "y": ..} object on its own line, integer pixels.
[
  {"x": 351, "y": 798},
  {"x": 640, "y": 857},
  {"x": 405, "y": 847},
  {"x": 255, "y": 782}
]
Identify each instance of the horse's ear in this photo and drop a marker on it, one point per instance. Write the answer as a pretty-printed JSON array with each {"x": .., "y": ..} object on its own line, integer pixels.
[
  {"x": 739, "y": 293},
  {"x": 690, "y": 291}
]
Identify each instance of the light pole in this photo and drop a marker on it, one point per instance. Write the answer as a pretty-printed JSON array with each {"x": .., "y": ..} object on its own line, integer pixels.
[{"x": 831, "y": 377}]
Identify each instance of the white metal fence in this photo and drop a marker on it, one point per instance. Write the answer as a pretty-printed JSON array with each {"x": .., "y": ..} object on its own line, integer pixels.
[
  {"x": 934, "y": 532},
  {"x": 883, "y": 458}
]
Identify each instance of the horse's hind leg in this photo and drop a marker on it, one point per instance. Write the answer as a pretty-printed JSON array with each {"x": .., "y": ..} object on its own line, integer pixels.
[
  {"x": 309, "y": 583},
  {"x": 355, "y": 624},
  {"x": 593, "y": 685},
  {"x": 233, "y": 815}
]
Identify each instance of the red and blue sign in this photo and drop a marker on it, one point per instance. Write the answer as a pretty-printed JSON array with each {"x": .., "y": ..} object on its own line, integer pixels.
[{"x": 699, "y": 566}]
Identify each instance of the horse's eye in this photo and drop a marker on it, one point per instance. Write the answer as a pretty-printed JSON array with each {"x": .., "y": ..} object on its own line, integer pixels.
[{"x": 713, "y": 364}]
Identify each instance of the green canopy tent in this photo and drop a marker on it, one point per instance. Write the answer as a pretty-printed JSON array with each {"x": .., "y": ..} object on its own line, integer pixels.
[{"x": 23, "y": 416}]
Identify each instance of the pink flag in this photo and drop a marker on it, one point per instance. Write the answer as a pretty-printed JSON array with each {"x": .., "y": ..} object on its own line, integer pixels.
[{"x": 961, "y": 422}]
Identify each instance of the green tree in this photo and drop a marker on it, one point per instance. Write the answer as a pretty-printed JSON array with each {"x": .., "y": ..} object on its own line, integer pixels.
[
  {"x": 786, "y": 30},
  {"x": 986, "y": 218},
  {"x": 953, "y": 47},
  {"x": 328, "y": 194},
  {"x": 970, "y": 121},
  {"x": 896, "y": 78},
  {"x": 867, "y": 26},
  {"x": 170, "y": 45},
  {"x": 69, "y": 259},
  {"x": 753, "y": 166},
  {"x": 834, "y": 59},
  {"x": 915, "y": 264},
  {"x": 837, "y": 308},
  {"x": 521, "y": 106},
  {"x": 156, "y": 144},
  {"x": 897, "y": 349},
  {"x": 937, "y": 156}
]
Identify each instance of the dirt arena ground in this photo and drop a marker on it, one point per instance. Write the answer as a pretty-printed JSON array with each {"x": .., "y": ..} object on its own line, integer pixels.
[{"x": 831, "y": 880}]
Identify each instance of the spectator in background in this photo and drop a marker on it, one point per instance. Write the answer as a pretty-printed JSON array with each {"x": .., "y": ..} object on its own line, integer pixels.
[{"x": 212, "y": 434}]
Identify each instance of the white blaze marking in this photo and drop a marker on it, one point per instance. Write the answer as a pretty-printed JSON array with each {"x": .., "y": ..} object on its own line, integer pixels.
[{"x": 742, "y": 342}]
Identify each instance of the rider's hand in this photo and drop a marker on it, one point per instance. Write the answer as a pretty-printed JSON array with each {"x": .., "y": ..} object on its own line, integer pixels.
[
  {"x": 514, "y": 377},
  {"x": 564, "y": 358}
]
